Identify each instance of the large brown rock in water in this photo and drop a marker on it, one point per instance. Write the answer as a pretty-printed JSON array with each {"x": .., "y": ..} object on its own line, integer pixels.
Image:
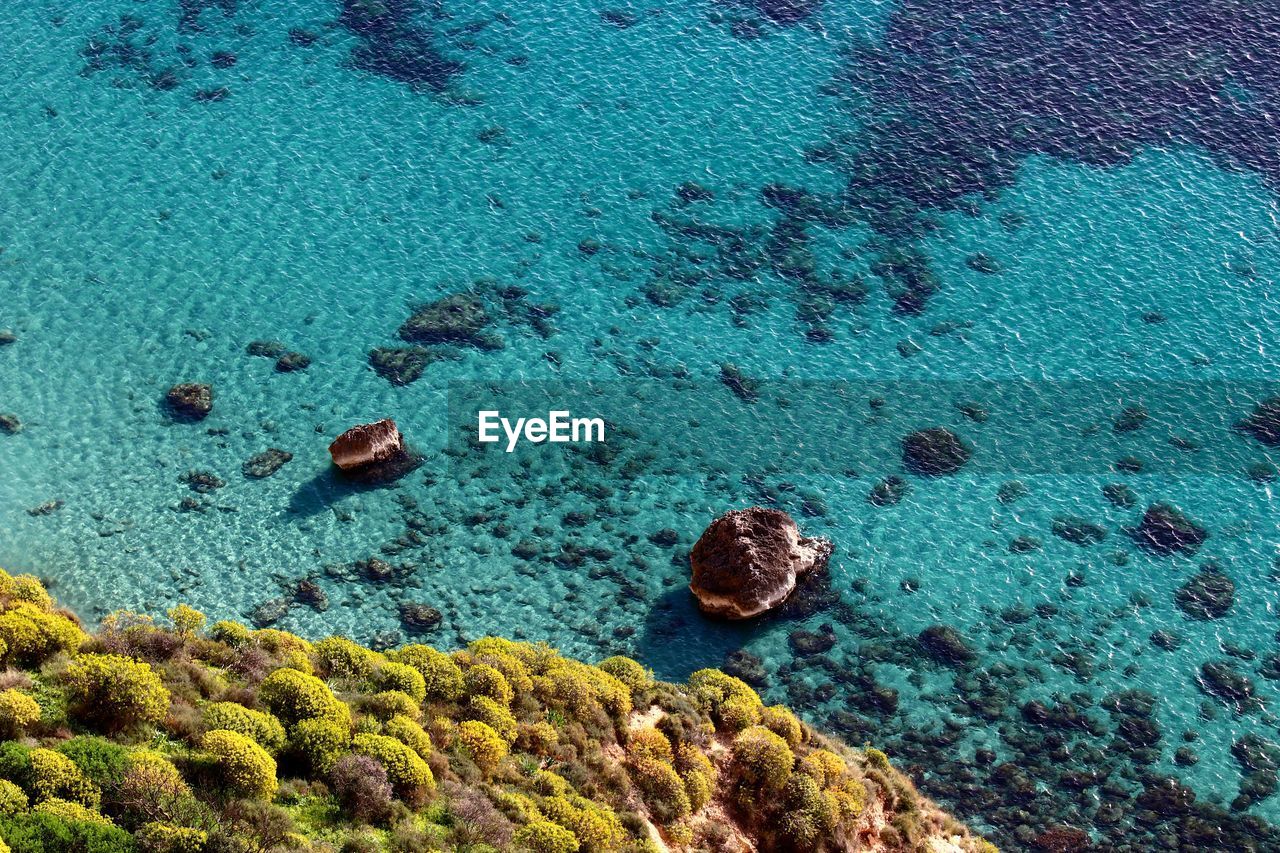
[
  {"x": 749, "y": 560},
  {"x": 367, "y": 445}
]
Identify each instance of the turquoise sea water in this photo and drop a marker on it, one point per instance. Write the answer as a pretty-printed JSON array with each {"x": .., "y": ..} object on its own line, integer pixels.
[{"x": 148, "y": 235}]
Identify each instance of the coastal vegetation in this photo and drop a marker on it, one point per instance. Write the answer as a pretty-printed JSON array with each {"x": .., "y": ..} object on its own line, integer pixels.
[{"x": 171, "y": 735}]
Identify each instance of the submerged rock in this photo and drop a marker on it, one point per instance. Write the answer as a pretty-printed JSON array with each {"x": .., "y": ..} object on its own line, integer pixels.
[
  {"x": 1165, "y": 531},
  {"x": 946, "y": 645},
  {"x": 9, "y": 424},
  {"x": 934, "y": 452},
  {"x": 455, "y": 319},
  {"x": 266, "y": 463},
  {"x": 1221, "y": 679},
  {"x": 292, "y": 362},
  {"x": 1264, "y": 423},
  {"x": 7, "y": 337},
  {"x": 749, "y": 560},
  {"x": 399, "y": 365},
  {"x": 202, "y": 482},
  {"x": 419, "y": 618},
  {"x": 889, "y": 491},
  {"x": 189, "y": 401},
  {"x": 1208, "y": 595},
  {"x": 1079, "y": 531}
]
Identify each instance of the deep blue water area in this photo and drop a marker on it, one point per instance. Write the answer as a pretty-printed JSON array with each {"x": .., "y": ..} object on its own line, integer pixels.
[{"x": 768, "y": 239}]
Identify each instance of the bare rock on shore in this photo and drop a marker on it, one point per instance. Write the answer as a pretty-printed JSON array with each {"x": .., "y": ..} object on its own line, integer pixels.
[{"x": 749, "y": 560}]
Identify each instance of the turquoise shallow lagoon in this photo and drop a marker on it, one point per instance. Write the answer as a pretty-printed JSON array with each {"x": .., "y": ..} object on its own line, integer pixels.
[{"x": 178, "y": 187}]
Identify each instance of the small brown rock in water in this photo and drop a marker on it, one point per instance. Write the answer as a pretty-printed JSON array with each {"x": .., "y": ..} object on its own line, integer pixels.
[
  {"x": 749, "y": 560},
  {"x": 367, "y": 444}
]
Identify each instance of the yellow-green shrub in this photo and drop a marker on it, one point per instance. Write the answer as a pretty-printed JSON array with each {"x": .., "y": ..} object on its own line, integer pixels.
[
  {"x": 596, "y": 826},
  {"x": 29, "y": 589},
  {"x": 55, "y": 776},
  {"x": 580, "y": 688},
  {"x": 185, "y": 619},
  {"x": 485, "y": 746},
  {"x": 277, "y": 642},
  {"x": 661, "y": 787},
  {"x": 338, "y": 657},
  {"x": 320, "y": 741},
  {"x": 824, "y": 766},
  {"x": 783, "y": 723},
  {"x": 13, "y": 799},
  {"x": 392, "y": 675},
  {"x": 495, "y": 716},
  {"x": 72, "y": 812},
  {"x": 165, "y": 838},
  {"x": 232, "y": 633},
  {"x": 244, "y": 766},
  {"x": 545, "y": 837},
  {"x": 482, "y": 680},
  {"x": 259, "y": 725},
  {"x": 807, "y": 815},
  {"x": 407, "y": 772},
  {"x": 540, "y": 738},
  {"x": 762, "y": 759},
  {"x": 409, "y": 733},
  {"x": 294, "y": 696},
  {"x": 441, "y": 676},
  {"x": 17, "y": 711},
  {"x": 114, "y": 692},
  {"x": 650, "y": 743},
  {"x": 877, "y": 759},
  {"x": 629, "y": 672},
  {"x": 698, "y": 773},
  {"x": 30, "y": 635},
  {"x": 732, "y": 703},
  {"x": 393, "y": 703}
]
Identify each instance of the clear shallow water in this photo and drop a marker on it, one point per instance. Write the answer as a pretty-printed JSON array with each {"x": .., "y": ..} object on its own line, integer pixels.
[{"x": 149, "y": 236}]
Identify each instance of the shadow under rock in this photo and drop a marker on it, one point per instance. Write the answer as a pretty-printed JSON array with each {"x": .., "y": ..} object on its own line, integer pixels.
[
  {"x": 331, "y": 485},
  {"x": 677, "y": 639}
]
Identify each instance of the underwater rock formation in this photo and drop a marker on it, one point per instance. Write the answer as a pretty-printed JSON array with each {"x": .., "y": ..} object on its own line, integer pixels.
[
  {"x": 266, "y": 463},
  {"x": 1264, "y": 422},
  {"x": 1165, "y": 531},
  {"x": 189, "y": 401},
  {"x": 1208, "y": 595},
  {"x": 934, "y": 452},
  {"x": 749, "y": 560}
]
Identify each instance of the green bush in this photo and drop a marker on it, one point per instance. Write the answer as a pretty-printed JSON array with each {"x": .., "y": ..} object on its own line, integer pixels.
[
  {"x": 484, "y": 745},
  {"x": 265, "y": 729},
  {"x": 165, "y": 838},
  {"x": 101, "y": 760},
  {"x": 407, "y": 772},
  {"x": 244, "y": 766},
  {"x": 320, "y": 742},
  {"x": 409, "y": 733},
  {"x": 391, "y": 675},
  {"x": 650, "y": 743},
  {"x": 338, "y": 657},
  {"x": 113, "y": 693},
  {"x": 17, "y": 711},
  {"x": 45, "y": 832},
  {"x": 630, "y": 673},
  {"x": 542, "y": 836},
  {"x": 294, "y": 696},
  {"x": 763, "y": 759},
  {"x": 55, "y": 776},
  {"x": 441, "y": 676},
  {"x": 13, "y": 799}
]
